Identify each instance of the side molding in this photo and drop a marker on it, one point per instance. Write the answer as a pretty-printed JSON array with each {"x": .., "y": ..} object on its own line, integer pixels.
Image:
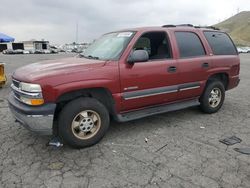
[{"x": 160, "y": 90}]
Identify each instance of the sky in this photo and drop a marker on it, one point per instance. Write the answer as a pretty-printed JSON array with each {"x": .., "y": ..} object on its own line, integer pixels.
[{"x": 57, "y": 20}]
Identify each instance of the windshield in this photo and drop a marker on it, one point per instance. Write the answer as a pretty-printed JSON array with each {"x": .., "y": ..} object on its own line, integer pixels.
[{"x": 109, "y": 47}]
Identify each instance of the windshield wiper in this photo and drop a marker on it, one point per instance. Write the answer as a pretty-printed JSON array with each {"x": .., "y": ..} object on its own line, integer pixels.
[
  {"x": 81, "y": 55},
  {"x": 89, "y": 56},
  {"x": 92, "y": 57}
]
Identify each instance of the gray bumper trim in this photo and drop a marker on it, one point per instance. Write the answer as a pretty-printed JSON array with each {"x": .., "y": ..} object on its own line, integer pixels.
[{"x": 39, "y": 123}]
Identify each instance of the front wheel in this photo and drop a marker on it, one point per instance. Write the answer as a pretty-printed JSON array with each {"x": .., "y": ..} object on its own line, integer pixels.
[
  {"x": 213, "y": 97},
  {"x": 83, "y": 122}
]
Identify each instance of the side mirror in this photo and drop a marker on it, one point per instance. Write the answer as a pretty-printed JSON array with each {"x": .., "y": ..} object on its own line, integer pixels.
[{"x": 138, "y": 56}]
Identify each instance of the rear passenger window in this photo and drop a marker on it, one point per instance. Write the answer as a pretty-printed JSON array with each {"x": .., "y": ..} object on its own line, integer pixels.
[
  {"x": 220, "y": 43},
  {"x": 189, "y": 44}
]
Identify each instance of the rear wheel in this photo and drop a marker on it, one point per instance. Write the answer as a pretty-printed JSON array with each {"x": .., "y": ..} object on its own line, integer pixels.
[
  {"x": 213, "y": 97},
  {"x": 83, "y": 122}
]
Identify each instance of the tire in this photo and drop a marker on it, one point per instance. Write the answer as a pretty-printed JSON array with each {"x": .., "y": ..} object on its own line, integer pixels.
[
  {"x": 83, "y": 122},
  {"x": 214, "y": 91}
]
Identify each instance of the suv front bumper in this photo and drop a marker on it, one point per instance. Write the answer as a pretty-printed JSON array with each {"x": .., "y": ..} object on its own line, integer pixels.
[{"x": 38, "y": 119}]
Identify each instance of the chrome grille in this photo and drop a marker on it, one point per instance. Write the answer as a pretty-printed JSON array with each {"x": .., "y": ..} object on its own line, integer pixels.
[
  {"x": 15, "y": 86},
  {"x": 18, "y": 92},
  {"x": 16, "y": 83}
]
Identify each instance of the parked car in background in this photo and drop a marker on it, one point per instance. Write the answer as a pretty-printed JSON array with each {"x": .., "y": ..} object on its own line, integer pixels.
[
  {"x": 125, "y": 75},
  {"x": 53, "y": 50},
  {"x": 46, "y": 51},
  {"x": 12, "y": 52},
  {"x": 26, "y": 52},
  {"x": 248, "y": 49},
  {"x": 243, "y": 49},
  {"x": 8, "y": 52}
]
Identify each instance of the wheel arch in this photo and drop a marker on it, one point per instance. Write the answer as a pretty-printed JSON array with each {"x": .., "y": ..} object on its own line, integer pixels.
[
  {"x": 103, "y": 95},
  {"x": 222, "y": 76}
]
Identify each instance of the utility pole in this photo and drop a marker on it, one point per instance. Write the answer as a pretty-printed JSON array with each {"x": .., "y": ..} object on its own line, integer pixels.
[
  {"x": 238, "y": 10},
  {"x": 76, "y": 32}
]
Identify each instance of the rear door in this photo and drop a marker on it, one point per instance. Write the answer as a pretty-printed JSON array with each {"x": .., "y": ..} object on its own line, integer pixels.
[
  {"x": 153, "y": 82},
  {"x": 194, "y": 63}
]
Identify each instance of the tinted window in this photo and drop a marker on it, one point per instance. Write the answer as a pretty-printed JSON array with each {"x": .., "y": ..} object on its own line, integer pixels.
[
  {"x": 220, "y": 43},
  {"x": 189, "y": 44}
]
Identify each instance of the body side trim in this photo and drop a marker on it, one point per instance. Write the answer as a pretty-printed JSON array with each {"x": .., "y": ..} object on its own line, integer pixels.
[{"x": 160, "y": 90}]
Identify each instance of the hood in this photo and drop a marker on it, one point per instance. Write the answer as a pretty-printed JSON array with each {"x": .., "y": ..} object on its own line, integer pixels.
[{"x": 52, "y": 68}]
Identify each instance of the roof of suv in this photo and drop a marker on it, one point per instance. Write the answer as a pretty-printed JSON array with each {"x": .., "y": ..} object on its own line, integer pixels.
[{"x": 184, "y": 27}]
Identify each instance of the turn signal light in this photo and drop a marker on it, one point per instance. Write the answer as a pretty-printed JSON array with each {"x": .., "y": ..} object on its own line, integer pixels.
[
  {"x": 32, "y": 102},
  {"x": 36, "y": 102}
]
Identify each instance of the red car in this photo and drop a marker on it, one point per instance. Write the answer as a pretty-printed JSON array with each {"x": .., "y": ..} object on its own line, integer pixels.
[{"x": 126, "y": 75}]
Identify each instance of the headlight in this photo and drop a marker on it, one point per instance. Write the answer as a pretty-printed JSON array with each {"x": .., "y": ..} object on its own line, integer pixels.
[
  {"x": 30, "y": 87},
  {"x": 30, "y": 94}
]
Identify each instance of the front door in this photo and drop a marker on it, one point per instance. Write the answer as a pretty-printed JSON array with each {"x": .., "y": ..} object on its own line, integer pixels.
[{"x": 153, "y": 82}]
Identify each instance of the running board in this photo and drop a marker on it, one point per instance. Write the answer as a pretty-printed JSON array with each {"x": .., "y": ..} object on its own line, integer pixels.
[{"x": 156, "y": 110}]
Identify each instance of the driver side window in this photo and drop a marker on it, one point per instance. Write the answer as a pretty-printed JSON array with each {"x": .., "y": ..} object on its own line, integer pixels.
[
  {"x": 156, "y": 44},
  {"x": 143, "y": 44}
]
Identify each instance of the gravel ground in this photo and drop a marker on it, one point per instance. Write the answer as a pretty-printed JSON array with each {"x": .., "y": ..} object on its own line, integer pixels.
[{"x": 183, "y": 148}]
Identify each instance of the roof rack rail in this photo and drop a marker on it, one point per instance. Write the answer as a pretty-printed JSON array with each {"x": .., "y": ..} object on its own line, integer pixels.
[
  {"x": 180, "y": 25},
  {"x": 208, "y": 27},
  {"x": 190, "y": 25},
  {"x": 185, "y": 25},
  {"x": 169, "y": 25}
]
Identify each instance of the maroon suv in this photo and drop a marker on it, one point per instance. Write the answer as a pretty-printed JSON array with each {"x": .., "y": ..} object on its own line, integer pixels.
[{"x": 126, "y": 75}]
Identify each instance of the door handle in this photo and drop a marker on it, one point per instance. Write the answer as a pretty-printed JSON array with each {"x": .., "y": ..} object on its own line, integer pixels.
[
  {"x": 172, "y": 69},
  {"x": 205, "y": 65}
]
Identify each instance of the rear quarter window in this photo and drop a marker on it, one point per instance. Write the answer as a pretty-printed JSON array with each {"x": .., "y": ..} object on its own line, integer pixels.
[{"x": 220, "y": 43}]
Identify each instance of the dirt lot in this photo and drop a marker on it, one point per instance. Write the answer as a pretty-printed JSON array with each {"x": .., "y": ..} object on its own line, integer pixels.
[{"x": 183, "y": 148}]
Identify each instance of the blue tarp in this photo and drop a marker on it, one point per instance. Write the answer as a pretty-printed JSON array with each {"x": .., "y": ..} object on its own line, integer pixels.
[{"x": 5, "y": 38}]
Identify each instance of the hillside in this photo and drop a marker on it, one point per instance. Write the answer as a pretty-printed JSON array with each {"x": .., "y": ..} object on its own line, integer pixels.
[{"x": 238, "y": 26}]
